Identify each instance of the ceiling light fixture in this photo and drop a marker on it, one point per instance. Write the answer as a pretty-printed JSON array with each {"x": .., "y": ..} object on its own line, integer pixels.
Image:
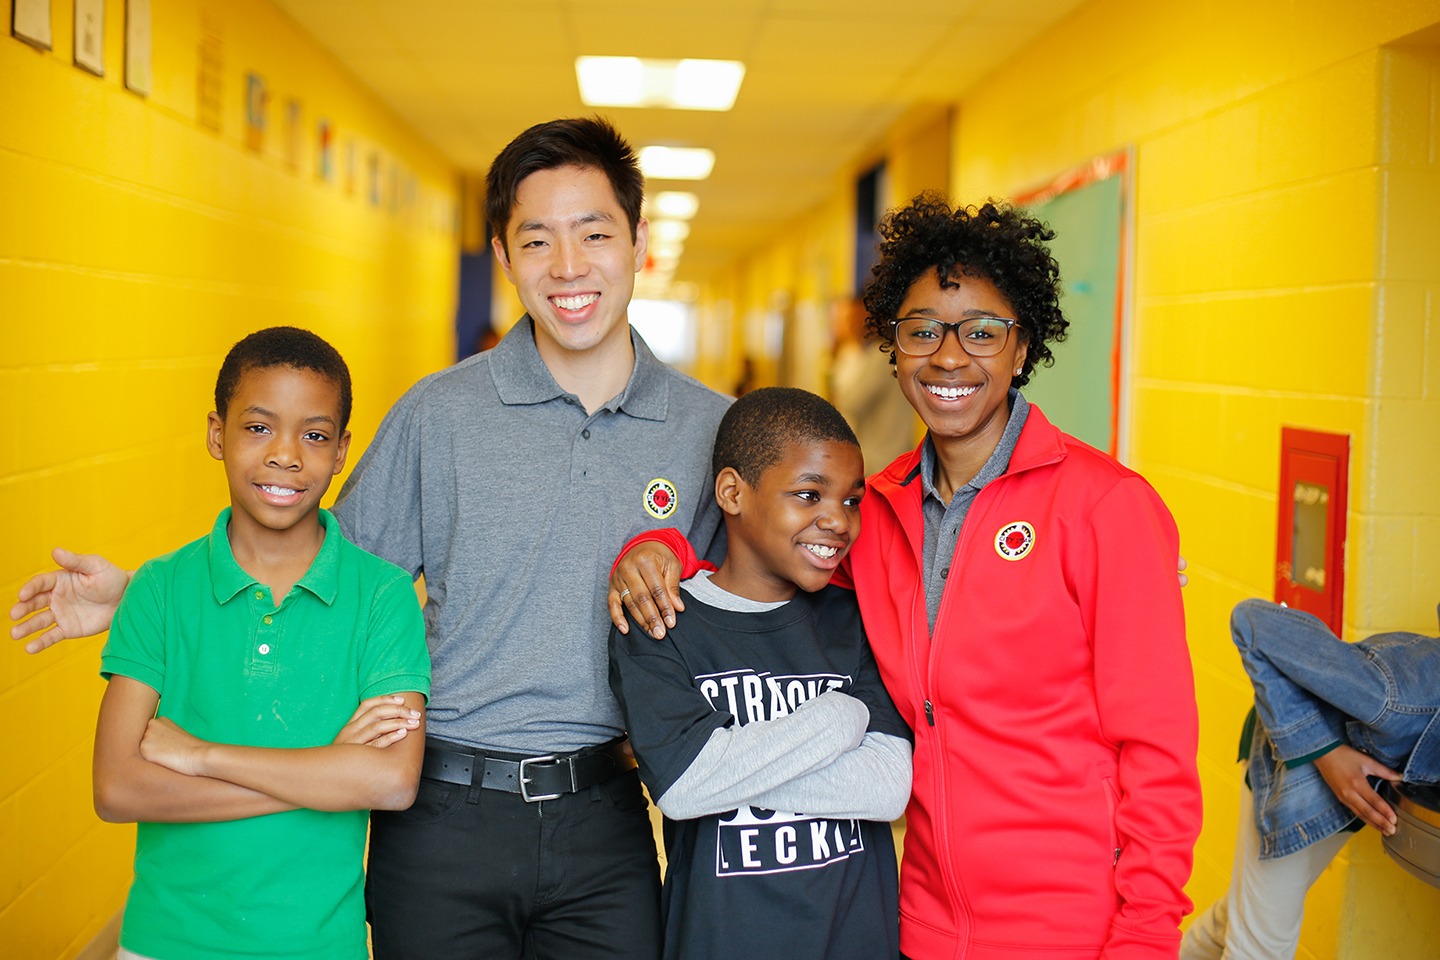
[
  {"x": 670, "y": 84},
  {"x": 676, "y": 163},
  {"x": 673, "y": 204},
  {"x": 662, "y": 231}
]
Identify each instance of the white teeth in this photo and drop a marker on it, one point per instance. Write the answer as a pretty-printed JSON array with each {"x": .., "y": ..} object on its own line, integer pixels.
[
  {"x": 951, "y": 393},
  {"x": 278, "y": 491},
  {"x": 575, "y": 303},
  {"x": 824, "y": 553}
]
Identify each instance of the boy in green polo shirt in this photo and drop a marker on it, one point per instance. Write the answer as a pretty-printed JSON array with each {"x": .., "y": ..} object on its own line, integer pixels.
[{"x": 236, "y": 664}]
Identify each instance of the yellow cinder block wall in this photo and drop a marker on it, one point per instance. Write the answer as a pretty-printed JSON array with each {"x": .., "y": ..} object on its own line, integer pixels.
[{"x": 139, "y": 238}]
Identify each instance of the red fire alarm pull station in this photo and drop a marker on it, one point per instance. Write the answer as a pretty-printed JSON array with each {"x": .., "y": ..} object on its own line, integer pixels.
[{"x": 1310, "y": 539}]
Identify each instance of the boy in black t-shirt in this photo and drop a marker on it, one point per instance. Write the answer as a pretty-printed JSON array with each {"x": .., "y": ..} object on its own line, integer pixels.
[{"x": 760, "y": 722}]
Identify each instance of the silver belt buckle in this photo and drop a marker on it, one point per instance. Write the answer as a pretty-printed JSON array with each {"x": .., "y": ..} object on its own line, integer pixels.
[{"x": 525, "y": 781}]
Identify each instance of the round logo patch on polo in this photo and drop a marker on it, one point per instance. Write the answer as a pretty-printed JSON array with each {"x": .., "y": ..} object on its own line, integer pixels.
[
  {"x": 660, "y": 498},
  {"x": 1015, "y": 540}
]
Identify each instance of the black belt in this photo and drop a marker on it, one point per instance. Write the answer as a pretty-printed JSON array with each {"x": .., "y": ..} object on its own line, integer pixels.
[{"x": 534, "y": 778}]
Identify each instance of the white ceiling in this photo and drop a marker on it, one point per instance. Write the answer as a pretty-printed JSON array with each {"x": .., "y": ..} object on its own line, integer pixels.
[{"x": 825, "y": 80}]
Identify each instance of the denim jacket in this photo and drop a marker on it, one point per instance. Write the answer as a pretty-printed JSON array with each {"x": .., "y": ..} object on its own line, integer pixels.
[{"x": 1313, "y": 690}]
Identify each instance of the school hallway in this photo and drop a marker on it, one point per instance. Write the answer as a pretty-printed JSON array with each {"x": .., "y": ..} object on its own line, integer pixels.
[{"x": 1244, "y": 196}]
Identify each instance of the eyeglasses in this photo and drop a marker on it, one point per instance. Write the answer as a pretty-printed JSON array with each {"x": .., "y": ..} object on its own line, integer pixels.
[{"x": 978, "y": 336}]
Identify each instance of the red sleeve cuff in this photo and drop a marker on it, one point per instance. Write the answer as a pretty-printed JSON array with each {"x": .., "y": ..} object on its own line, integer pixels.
[{"x": 690, "y": 564}]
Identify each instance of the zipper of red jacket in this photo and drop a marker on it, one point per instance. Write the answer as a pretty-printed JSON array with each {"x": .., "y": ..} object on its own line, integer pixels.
[
  {"x": 955, "y": 886},
  {"x": 929, "y": 680}
]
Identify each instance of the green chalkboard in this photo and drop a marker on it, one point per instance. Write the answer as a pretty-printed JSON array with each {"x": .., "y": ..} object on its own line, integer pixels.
[{"x": 1080, "y": 393}]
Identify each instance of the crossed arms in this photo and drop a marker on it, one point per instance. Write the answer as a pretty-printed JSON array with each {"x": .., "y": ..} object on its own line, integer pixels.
[{"x": 149, "y": 769}]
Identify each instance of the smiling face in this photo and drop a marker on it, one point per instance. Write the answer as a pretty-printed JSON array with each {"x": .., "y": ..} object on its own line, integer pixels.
[
  {"x": 961, "y": 398},
  {"x": 792, "y": 528},
  {"x": 569, "y": 254},
  {"x": 281, "y": 444}
]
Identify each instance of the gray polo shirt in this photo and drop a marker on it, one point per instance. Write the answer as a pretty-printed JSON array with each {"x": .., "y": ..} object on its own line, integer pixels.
[
  {"x": 944, "y": 520},
  {"x": 495, "y": 483}
]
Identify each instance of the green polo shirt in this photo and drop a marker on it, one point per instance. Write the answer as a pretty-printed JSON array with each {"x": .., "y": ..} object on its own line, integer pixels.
[{"x": 232, "y": 667}]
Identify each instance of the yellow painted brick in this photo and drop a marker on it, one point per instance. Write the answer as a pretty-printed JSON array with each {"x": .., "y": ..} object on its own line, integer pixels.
[
  {"x": 1312, "y": 340},
  {"x": 1161, "y": 265},
  {"x": 1387, "y": 912},
  {"x": 1432, "y": 341},
  {"x": 1329, "y": 30},
  {"x": 1223, "y": 530},
  {"x": 1232, "y": 143},
  {"x": 1425, "y": 577},
  {"x": 1250, "y": 433},
  {"x": 1349, "y": 96},
  {"x": 1398, "y": 355},
  {"x": 1289, "y": 237},
  {"x": 1390, "y": 592},
  {"x": 1224, "y": 696},
  {"x": 1179, "y": 428},
  {"x": 1406, "y": 118},
  {"x": 1163, "y": 330},
  {"x": 1330, "y": 414},
  {"x": 1161, "y": 182},
  {"x": 1290, "y": 135},
  {"x": 1412, "y": 198},
  {"x": 1407, "y": 455}
]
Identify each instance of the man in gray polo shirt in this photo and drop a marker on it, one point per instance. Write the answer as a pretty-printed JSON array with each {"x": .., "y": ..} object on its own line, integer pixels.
[{"x": 510, "y": 481}]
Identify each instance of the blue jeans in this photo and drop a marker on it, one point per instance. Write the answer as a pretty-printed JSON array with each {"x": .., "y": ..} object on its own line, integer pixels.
[{"x": 1312, "y": 690}]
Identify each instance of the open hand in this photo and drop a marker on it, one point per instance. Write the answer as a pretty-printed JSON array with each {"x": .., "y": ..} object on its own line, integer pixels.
[{"x": 78, "y": 600}]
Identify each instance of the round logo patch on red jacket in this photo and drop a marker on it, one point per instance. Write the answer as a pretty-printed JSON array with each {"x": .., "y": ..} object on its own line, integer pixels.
[
  {"x": 660, "y": 498},
  {"x": 1014, "y": 540}
]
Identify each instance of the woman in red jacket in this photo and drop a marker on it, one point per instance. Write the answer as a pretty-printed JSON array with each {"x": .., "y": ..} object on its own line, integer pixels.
[{"x": 1018, "y": 588}]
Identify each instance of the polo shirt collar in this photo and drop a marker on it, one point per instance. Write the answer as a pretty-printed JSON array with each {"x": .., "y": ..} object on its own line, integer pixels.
[
  {"x": 228, "y": 578},
  {"x": 521, "y": 377}
]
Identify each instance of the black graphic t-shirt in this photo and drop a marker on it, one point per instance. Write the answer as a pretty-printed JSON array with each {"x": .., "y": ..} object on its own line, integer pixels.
[{"x": 751, "y": 882}]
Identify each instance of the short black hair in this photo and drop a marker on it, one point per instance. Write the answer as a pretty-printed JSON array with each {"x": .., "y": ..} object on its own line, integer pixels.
[
  {"x": 995, "y": 241},
  {"x": 283, "y": 347},
  {"x": 577, "y": 141},
  {"x": 757, "y": 429}
]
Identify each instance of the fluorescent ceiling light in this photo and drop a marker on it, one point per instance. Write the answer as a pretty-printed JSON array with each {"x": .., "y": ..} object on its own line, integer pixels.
[
  {"x": 662, "y": 231},
  {"x": 671, "y": 84},
  {"x": 674, "y": 204},
  {"x": 611, "y": 81},
  {"x": 707, "y": 84},
  {"x": 676, "y": 163}
]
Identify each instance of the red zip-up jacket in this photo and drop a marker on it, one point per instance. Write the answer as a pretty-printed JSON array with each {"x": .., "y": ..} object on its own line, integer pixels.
[{"x": 1056, "y": 800}]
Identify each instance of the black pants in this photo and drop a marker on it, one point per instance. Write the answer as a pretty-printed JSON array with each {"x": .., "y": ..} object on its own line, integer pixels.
[{"x": 474, "y": 874}]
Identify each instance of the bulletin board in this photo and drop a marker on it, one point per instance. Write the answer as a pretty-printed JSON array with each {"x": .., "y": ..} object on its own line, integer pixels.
[{"x": 1088, "y": 208}]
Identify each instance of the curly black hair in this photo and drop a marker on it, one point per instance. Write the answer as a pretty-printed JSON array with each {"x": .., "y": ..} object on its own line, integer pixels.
[{"x": 995, "y": 241}]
